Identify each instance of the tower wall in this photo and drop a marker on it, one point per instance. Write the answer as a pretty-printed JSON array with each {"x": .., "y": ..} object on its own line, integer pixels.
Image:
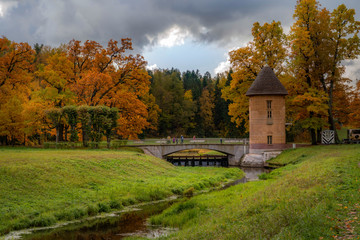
[{"x": 261, "y": 126}]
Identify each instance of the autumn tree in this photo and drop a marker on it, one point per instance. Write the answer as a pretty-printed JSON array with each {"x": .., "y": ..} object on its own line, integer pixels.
[
  {"x": 206, "y": 112},
  {"x": 16, "y": 65},
  {"x": 153, "y": 114},
  {"x": 320, "y": 42},
  {"x": 55, "y": 79},
  {"x": 112, "y": 77},
  {"x": 56, "y": 117},
  {"x": 267, "y": 47},
  {"x": 344, "y": 45},
  {"x": 222, "y": 120},
  {"x": 354, "y": 107}
]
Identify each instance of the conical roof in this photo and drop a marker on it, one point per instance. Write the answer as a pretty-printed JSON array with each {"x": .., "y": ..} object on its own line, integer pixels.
[{"x": 266, "y": 83}]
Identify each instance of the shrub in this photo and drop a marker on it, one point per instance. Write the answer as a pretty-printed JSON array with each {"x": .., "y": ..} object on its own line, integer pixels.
[
  {"x": 92, "y": 210},
  {"x": 114, "y": 204},
  {"x": 128, "y": 201},
  {"x": 177, "y": 190},
  {"x": 189, "y": 192},
  {"x": 43, "y": 221},
  {"x": 23, "y": 223},
  {"x": 103, "y": 207}
]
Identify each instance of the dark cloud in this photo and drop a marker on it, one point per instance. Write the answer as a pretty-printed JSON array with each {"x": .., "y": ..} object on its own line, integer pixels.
[{"x": 211, "y": 21}]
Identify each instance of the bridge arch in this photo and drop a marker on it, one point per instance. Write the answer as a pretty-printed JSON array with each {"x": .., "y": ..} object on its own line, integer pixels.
[
  {"x": 200, "y": 147},
  {"x": 233, "y": 151}
]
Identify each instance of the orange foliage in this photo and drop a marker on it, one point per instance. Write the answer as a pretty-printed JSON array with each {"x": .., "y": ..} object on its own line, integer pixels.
[
  {"x": 267, "y": 47},
  {"x": 112, "y": 78}
]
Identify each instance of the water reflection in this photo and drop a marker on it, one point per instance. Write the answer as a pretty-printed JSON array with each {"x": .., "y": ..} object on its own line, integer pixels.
[
  {"x": 252, "y": 174},
  {"x": 112, "y": 228}
]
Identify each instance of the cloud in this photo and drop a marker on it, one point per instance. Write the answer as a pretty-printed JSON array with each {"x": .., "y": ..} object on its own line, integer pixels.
[
  {"x": 6, "y": 6},
  {"x": 152, "y": 67},
  {"x": 150, "y": 24},
  {"x": 352, "y": 70},
  {"x": 208, "y": 21},
  {"x": 222, "y": 67},
  {"x": 175, "y": 36},
  {"x": 205, "y": 21}
]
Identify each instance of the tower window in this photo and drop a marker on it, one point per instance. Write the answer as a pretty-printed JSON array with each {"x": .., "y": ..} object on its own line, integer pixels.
[
  {"x": 269, "y": 140},
  {"x": 269, "y": 112},
  {"x": 268, "y": 103}
]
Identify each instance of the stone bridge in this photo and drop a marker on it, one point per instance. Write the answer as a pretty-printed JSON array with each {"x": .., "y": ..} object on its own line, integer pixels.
[{"x": 233, "y": 151}]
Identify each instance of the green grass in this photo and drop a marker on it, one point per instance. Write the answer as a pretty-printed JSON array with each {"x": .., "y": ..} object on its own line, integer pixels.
[
  {"x": 315, "y": 196},
  {"x": 39, "y": 187}
]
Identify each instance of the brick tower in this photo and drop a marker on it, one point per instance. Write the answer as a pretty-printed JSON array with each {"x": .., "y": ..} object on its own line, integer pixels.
[{"x": 267, "y": 112}]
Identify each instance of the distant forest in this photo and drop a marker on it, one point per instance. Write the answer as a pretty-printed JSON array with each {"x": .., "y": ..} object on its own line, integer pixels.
[{"x": 192, "y": 104}]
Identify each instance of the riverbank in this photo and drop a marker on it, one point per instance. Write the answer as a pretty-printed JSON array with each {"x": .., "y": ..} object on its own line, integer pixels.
[
  {"x": 40, "y": 187},
  {"x": 316, "y": 195}
]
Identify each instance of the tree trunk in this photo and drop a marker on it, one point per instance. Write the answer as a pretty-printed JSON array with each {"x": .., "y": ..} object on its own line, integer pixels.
[
  {"x": 319, "y": 135},
  {"x": 66, "y": 133},
  {"x": 331, "y": 117},
  {"x": 312, "y": 131},
  {"x": 61, "y": 132},
  {"x": 85, "y": 136},
  {"x": 108, "y": 139},
  {"x": 57, "y": 134},
  {"x": 313, "y": 136}
]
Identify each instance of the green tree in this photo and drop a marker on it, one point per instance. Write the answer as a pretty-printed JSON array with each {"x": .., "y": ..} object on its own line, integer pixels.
[
  {"x": 71, "y": 115},
  {"x": 192, "y": 81},
  {"x": 85, "y": 121},
  {"x": 177, "y": 111},
  {"x": 110, "y": 123}
]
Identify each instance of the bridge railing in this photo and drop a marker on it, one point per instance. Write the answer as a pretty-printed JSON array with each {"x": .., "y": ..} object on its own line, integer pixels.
[{"x": 162, "y": 141}]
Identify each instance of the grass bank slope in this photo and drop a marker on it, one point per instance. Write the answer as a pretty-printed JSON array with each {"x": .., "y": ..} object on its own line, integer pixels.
[
  {"x": 315, "y": 196},
  {"x": 39, "y": 187}
]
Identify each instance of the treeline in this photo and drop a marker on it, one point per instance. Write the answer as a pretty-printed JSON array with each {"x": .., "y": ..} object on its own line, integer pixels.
[
  {"x": 192, "y": 104},
  {"x": 42, "y": 89}
]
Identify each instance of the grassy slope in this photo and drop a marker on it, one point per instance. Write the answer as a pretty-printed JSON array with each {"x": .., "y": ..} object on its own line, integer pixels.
[
  {"x": 40, "y": 187},
  {"x": 316, "y": 196}
]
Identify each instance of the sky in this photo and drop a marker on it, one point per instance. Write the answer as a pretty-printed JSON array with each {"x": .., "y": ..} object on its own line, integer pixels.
[{"x": 183, "y": 34}]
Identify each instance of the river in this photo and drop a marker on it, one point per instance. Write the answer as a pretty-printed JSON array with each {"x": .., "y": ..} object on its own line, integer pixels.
[{"x": 131, "y": 222}]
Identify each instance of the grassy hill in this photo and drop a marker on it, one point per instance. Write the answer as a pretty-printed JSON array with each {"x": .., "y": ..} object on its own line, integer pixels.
[
  {"x": 315, "y": 196},
  {"x": 39, "y": 187}
]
